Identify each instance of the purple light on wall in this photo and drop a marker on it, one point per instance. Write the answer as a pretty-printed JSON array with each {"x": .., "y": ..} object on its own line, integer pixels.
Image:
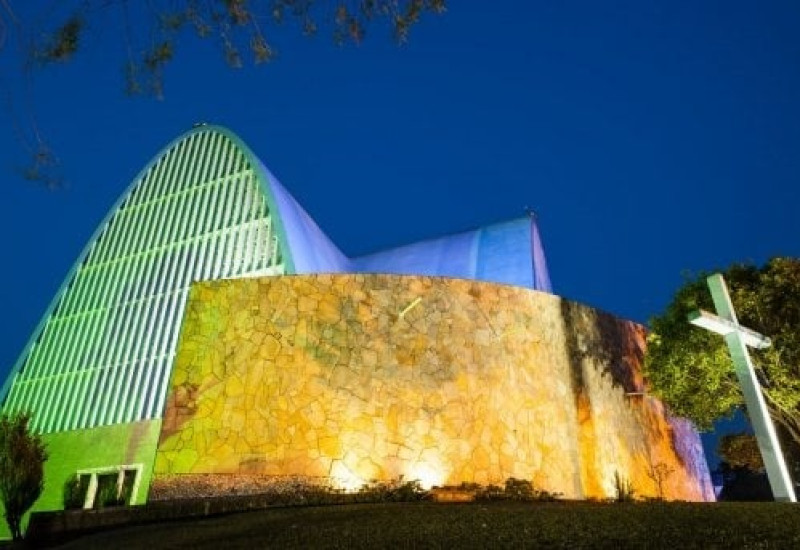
[{"x": 541, "y": 276}]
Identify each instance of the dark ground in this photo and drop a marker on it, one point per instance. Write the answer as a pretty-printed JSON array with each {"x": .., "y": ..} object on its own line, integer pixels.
[{"x": 491, "y": 525}]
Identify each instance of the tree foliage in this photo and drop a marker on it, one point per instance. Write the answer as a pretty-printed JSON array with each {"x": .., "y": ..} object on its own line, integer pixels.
[
  {"x": 740, "y": 450},
  {"x": 690, "y": 368},
  {"x": 152, "y": 32},
  {"x": 242, "y": 28},
  {"x": 22, "y": 457}
]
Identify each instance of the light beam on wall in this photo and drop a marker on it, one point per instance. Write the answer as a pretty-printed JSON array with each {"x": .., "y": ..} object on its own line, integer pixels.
[
  {"x": 427, "y": 473},
  {"x": 344, "y": 478}
]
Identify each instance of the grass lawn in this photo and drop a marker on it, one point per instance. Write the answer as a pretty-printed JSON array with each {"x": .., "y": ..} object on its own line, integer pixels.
[{"x": 476, "y": 525}]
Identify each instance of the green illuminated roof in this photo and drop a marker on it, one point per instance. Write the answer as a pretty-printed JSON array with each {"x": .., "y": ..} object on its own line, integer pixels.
[{"x": 103, "y": 352}]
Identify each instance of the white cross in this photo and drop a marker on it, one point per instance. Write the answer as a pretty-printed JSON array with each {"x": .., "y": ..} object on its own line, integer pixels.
[{"x": 738, "y": 338}]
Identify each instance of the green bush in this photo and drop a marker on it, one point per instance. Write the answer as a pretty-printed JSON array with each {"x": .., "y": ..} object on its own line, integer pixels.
[
  {"x": 515, "y": 489},
  {"x": 489, "y": 492},
  {"x": 108, "y": 494},
  {"x": 396, "y": 490},
  {"x": 519, "y": 489},
  {"x": 74, "y": 493},
  {"x": 623, "y": 488},
  {"x": 409, "y": 491}
]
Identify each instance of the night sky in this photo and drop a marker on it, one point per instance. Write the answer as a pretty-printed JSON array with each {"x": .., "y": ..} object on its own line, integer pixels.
[{"x": 651, "y": 138}]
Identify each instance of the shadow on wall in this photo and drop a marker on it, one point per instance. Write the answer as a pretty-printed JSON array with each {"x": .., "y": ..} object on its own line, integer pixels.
[
  {"x": 621, "y": 429},
  {"x": 616, "y": 344}
]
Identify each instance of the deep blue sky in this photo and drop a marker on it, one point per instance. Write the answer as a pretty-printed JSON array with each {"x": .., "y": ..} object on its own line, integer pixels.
[{"x": 650, "y": 137}]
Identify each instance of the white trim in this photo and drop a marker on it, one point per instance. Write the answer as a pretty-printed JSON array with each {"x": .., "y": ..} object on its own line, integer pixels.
[{"x": 91, "y": 491}]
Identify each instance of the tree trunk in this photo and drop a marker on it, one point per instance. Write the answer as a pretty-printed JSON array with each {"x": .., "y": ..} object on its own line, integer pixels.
[{"x": 13, "y": 521}]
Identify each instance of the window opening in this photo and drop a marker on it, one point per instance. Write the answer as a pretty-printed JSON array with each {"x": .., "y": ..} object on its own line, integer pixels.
[{"x": 103, "y": 487}]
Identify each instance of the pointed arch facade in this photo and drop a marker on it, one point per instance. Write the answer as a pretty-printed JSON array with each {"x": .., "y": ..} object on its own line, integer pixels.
[{"x": 102, "y": 354}]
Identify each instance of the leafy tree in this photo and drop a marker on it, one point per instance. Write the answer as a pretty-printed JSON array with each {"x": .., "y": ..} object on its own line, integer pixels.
[
  {"x": 152, "y": 32},
  {"x": 740, "y": 450},
  {"x": 22, "y": 457},
  {"x": 690, "y": 368}
]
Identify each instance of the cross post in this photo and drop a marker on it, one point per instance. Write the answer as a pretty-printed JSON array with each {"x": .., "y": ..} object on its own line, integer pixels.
[{"x": 738, "y": 338}]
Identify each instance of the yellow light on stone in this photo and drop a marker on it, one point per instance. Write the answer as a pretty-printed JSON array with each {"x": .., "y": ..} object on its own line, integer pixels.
[
  {"x": 436, "y": 401},
  {"x": 428, "y": 475},
  {"x": 343, "y": 478}
]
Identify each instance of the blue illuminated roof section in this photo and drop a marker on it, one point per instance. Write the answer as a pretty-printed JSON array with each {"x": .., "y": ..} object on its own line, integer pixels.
[
  {"x": 509, "y": 252},
  {"x": 500, "y": 253},
  {"x": 311, "y": 250}
]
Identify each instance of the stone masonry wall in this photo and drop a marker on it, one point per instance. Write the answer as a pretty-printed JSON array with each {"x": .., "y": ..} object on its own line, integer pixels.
[{"x": 355, "y": 378}]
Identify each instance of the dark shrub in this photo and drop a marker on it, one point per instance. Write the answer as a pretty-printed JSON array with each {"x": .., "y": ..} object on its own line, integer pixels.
[
  {"x": 624, "y": 489},
  {"x": 74, "y": 494}
]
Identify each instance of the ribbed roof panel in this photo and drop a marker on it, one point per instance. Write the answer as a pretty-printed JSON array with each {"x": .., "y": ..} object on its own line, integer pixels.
[{"x": 104, "y": 351}]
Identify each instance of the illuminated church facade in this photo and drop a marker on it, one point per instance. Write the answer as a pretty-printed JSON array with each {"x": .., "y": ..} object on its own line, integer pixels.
[{"x": 210, "y": 330}]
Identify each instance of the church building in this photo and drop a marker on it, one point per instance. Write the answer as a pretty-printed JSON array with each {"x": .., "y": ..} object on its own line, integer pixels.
[{"x": 211, "y": 336}]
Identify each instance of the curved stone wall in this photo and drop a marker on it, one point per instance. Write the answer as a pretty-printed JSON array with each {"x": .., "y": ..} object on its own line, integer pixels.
[{"x": 362, "y": 377}]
